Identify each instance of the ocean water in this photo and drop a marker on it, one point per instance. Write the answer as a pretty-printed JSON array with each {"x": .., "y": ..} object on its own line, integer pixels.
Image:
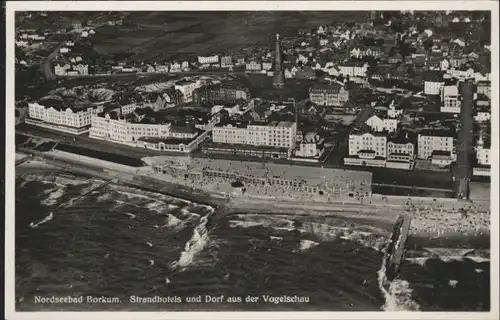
[{"x": 120, "y": 242}]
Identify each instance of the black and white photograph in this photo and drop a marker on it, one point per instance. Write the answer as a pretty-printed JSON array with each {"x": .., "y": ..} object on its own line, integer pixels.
[{"x": 203, "y": 157}]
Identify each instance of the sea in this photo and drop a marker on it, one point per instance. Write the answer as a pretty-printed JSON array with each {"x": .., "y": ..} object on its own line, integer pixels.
[{"x": 122, "y": 243}]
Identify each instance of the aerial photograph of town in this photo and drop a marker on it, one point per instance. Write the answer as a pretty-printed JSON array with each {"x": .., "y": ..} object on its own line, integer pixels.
[{"x": 253, "y": 160}]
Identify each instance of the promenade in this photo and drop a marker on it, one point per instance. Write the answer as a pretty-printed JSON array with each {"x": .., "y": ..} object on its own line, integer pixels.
[{"x": 430, "y": 217}]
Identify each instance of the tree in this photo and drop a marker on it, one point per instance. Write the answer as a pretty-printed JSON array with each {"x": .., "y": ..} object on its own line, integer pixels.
[{"x": 428, "y": 44}]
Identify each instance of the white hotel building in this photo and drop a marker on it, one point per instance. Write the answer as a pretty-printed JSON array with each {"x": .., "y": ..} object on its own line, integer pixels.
[
  {"x": 280, "y": 134},
  {"x": 208, "y": 59},
  {"x": 436, "y": 143},
  {"x": 67, "y": 119},
  {"x": 159, "y": 136},
  {"x": 450, "y": 98}
]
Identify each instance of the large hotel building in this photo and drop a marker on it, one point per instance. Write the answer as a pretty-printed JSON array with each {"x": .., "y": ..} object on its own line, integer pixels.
[
  {"x": 54, "y": 115},
  {"x": 275, "y": 139},
  {"x": 143, "y": 128}
]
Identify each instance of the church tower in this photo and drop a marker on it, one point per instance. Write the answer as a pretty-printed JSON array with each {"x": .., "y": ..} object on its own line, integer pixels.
[{"x": 279, "y": 78}]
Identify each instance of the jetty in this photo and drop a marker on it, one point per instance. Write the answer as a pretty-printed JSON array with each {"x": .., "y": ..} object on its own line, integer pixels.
[
  {"x": 73, "y": 201},
  {"x": 396, "y": 248},
  {"x": 23, "y": 160}
]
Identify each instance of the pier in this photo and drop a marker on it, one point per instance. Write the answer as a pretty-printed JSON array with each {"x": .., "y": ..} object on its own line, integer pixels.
[
  {"x": 23, "y": 160},
  {"x": 73, "y": 201},
  {"x": 395, "y": 250}
]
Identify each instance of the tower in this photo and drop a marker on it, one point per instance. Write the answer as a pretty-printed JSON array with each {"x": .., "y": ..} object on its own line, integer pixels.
[{"x": 279, "y": 78}]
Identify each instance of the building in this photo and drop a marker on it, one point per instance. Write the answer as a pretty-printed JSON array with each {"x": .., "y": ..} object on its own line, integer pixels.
[
  {"x": 461, "y": 74},
  {"x": 483, "y": 152},
  {"x": 267, "y": 65},
  {"x": 433, "y": 83},
  {"x": 143, "y": 128},
  {"x": 354, "y": 69},
  {"x": 61, "y": 70},
  {"x": 82, "y": 69},
  {"x": 328, "y": 95},
  {"x": 230, "y": 91},
  {"x": 323, "y": 182},
  {"x": 55, "y": 115},
  {"x": 450, "y": 99},
  {"x": 253, "y": 66},
  {"x": 208, "y": 59},
  {"x": 274, "y": 134},
  {"x": 310, "y": 148},
  {"x": 173, "y": 96},
  {"x": 484, "y": 87},
  {"x": 187, "y": 88},
  {"x": 400, "y": 152},
  {"x": 364, "y": 143},
  {"x": 175, "y": 67},
  {"x": 226, "y": 61},
  {"x": 482, "y": 116},
  {"x": 430, "y": 141},
  {"x": 161, "y": 68},
  {"x": 380, "y": 122}
]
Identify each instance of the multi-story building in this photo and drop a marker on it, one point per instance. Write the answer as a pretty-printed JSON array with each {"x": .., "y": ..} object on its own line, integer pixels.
[
  {"x": 461, "y": 73},
  {"x": 161, "y": 68},
  {"x": 281, "y": 134},
  {"x": 267, "y": 65},
  {"x": 175, "y": 67},
  {"x": 483, "y": 152},
  {"x": 61, "y": 70},
  {"x": 59, "y": 117},
  {"x": 231, "y": 91},
  {"x": 354, "y": 69},
  {"x": 367, "y": 144},
  {"x": 173, "y": 96},
  {"x": 143, "y": 128},
  {"x": 484, "y": 87},
  {"x": 430, "y": 141},
  {"x": 401, "y": 145},
  {"x": 187, "y": 88},
  {"x": 226, "y": 61},
  {"x": 450, "y": 99},
  {"x": 400, "y": 152},
  {"x": 208, "y": 59},
  {"x": 382, "y": 123},
  {"x": 482, "y": 115},
  {"x": 328, "y": 95},
  {"x": 253, "y": 66},
  {"x": 82, "y": 69},
  {"x": 433, "y": 83}
]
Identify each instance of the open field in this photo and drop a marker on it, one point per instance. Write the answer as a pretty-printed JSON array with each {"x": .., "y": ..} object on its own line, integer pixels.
[{"x": 178, "y": 35}]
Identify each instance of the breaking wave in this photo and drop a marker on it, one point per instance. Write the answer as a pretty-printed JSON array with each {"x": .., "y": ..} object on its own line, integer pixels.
[
  {"x": 398, "y": 294},
  {"x": 198, "y": 241},
  {"x": 307, "y": 244},
  {"x": 44, "y": 220}
]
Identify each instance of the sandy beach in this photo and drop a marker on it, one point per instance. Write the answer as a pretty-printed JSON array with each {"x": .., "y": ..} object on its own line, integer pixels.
[{"x": 433, "y": 220}]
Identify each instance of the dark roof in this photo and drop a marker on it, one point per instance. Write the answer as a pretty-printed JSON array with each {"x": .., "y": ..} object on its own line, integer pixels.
[
  {"x": 434, "y": 77},
  {"x": 403, "y": 137},
  {"x": 438, "y": 133},
  {"x": 330, "y": 88}
]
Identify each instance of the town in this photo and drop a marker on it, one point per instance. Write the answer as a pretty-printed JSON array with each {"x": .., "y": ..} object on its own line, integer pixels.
[{"x": 386, "y": 91}]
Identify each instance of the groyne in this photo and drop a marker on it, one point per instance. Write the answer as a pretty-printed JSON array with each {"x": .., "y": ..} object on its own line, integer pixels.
[{"x": 395, "y": 250}]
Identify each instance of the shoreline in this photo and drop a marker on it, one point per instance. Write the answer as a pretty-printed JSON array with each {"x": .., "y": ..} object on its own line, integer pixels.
[{"x": 384, "y": 216}]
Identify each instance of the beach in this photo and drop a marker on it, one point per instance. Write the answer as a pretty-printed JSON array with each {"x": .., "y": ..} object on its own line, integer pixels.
[{"x": 430, "y": 218}]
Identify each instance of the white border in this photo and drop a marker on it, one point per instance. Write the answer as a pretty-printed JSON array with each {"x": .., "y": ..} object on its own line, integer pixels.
[{"x": 11, "y": 7}]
